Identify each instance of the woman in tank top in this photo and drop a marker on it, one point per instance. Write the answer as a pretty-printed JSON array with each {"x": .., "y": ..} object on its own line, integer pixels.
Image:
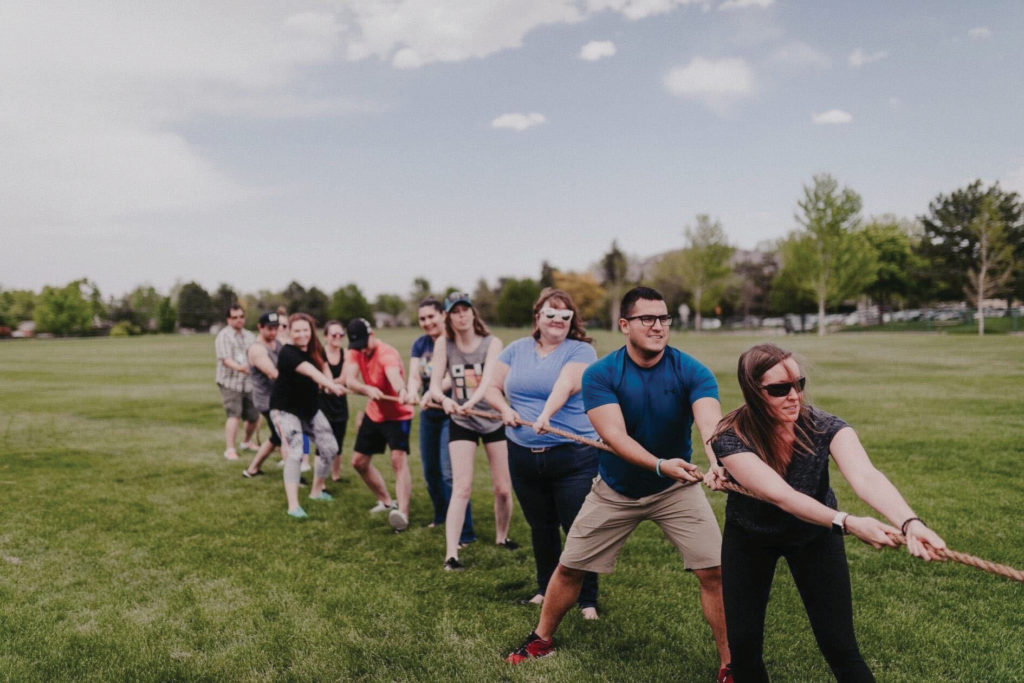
[
  {"x": 335, "y": 408},
  {"x": 468, "y": 352}
]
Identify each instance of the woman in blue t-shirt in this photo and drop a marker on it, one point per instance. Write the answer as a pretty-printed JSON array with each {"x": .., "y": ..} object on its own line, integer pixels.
[
  {"x": 540, "y": 376},
  {"x": 778, "y": 447}
]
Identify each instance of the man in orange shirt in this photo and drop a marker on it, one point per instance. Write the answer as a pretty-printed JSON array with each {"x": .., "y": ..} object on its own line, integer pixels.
[{"x": 374, "y": 369}]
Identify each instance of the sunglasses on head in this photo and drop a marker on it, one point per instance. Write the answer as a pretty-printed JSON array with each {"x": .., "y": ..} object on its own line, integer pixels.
[
  {"x": 563, "y": 314},
  {"x": 780, "y": 389}
]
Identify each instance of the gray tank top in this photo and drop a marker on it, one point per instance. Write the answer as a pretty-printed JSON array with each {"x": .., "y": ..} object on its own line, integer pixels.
[
  {"x": 261, "y": 384},
  {"x": 467, "y": 369}
]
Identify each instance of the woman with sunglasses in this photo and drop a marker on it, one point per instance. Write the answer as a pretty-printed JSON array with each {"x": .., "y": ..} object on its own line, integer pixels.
[
  {"x": 335, "y": 407},
  {"x": 777, "y": 446},
  {"x": 541, "y": 378},
  {"x": 295, "y": 410},
  {"x": 468, "y": 353}
]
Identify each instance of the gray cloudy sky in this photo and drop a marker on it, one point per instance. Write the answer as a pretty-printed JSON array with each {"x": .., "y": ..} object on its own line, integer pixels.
[{"x": 373, "y": 141}]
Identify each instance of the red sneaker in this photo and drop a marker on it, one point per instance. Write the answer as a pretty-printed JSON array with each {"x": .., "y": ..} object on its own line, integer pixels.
[
  {"x": 534, "y": 648},
  {"x": 724, "y": 674}
]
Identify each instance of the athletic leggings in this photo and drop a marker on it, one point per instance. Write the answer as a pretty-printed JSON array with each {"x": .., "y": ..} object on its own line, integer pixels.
[
  {"x": 821, "y": 576},
  {"x": 291, "y": 428}
]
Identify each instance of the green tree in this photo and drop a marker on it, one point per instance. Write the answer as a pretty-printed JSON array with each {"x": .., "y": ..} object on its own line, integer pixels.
[
  {"x": 993, "y": 265},
  {"x": 16, "y": 305},
  {"x": 791, "y": 290},
  {"x": 65, "y": 310},
  {"x": 897, "y": 262},
  {"x": 515, "y": 302},
  {"x": 391, "y": 304},
  {"x": 752, "y": 285},
  {"x": 614, "y": 268},
  {"x": 547, "y": 274},
  {"x": 485, "y": 301},
  {"x": 843, "y": 263},
  {"x": 317, "y": 304},
  {"x": 195, "y": 308},
  {"x": 951, "y": 245},
  {"x": 166, "y": 316},
  {"x": 702, "y": 267},
  {"x": 294, "y": 296},
  {"x": 584, "y": 289},
  {"x": 224, "y": 298},
  {"x": 348, "y": 302}
]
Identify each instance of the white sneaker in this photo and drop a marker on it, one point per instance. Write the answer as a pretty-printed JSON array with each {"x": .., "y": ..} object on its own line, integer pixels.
[
  {"x": 397, "y": 520},
  {"x": 381, "y": 507},
  {"x": 305, "y": 467},
  {"x": 280, "y": 463},
  {"x": 230, "y": 454}
]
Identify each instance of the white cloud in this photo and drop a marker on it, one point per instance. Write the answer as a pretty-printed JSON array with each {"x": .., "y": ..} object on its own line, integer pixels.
[
  {"x": 799, "y": 54},
  {"x": 743, "y": 4},
  {"x": 517, "y": 121},
  {"x": 639, "y": 9},
  {"x": 859, "y": 57},
  {"x": 597, "y": 49},
  {"x": 832, "y": 116},
  {"x": 980, "y": 33},
  {"x": 716, "y": 83}
]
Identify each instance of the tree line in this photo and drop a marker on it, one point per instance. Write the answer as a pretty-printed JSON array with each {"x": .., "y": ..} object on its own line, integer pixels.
[{"x": 968, "y": 246}]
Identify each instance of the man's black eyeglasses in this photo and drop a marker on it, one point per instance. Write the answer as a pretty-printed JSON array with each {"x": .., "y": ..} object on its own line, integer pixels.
[
  {"x": 780, "y": 389},
  {"x": 648, "y": 320}
]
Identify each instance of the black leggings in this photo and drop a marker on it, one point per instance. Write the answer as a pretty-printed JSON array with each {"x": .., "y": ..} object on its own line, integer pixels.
[{"x": 821, "y": 576}]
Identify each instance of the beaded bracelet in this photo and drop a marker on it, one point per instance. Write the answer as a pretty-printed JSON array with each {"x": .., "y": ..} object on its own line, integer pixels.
[{"x": 903, "y": 527}]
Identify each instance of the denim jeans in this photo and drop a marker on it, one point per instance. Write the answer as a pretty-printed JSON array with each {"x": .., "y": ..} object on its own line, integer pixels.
[
  {"x": 437, "y": 469},
  {"x": 551, "y": 485}
]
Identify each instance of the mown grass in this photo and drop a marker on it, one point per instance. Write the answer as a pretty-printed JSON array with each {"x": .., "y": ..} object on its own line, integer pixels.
[{"x": 129, "y": 549}]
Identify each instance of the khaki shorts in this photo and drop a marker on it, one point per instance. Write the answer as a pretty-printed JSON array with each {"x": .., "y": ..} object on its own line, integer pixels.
[
  {"x": 238, "y": 404},
  {"x": 607, "y": 518}
]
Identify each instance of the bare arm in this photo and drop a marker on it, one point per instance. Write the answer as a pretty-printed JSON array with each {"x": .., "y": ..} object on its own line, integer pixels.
[
  {"x": 350, "y": 374},
  {"x": 496, "y": 395},
  {"x": 412, "y": 387},
  {"x": 309, "y": 370},
  {"x": 611, "y": 426},
  {"x": 394, "y": 375},
  {"x": 259, "y": 358},
  {"x": 875, "y": 489},
  {"x": 439, "y": 369},
  {"x": 569, "y": 382}
]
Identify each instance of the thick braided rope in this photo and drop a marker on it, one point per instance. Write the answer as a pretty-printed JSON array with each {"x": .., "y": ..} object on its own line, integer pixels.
[{"x": 949, "y": 554}]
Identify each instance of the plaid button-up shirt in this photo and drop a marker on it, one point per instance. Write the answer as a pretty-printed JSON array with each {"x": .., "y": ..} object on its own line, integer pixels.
[{"x": 233, "y": 345}]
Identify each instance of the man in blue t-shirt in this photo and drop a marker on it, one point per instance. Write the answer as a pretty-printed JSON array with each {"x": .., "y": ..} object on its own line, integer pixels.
[{"x": 643, "y": 400}]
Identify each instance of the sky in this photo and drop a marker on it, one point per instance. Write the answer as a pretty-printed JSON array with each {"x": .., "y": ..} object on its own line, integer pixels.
[{"x": 258, "y": 142}]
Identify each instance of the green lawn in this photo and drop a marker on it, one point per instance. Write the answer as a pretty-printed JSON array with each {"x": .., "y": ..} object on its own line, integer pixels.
[{"x": 130, "y": 549}]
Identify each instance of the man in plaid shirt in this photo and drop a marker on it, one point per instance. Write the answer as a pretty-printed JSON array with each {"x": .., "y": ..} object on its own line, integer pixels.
[{"x": 233, "y": 380}]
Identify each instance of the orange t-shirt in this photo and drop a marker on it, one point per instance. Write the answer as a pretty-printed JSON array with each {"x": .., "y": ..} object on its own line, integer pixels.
[{"x": 373, "y": 371}]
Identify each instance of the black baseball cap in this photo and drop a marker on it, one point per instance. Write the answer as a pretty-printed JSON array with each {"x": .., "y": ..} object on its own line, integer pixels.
[
  {"x": 269, "y": 319},
  {"x": 358, "y": 331}
]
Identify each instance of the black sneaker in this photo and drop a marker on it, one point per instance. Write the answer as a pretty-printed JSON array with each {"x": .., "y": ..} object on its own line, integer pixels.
[
  {"x": 508, "y": 544},
  {"x": 453, "y": 565}
]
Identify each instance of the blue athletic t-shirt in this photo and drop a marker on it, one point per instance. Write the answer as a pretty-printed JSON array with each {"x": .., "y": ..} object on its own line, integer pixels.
[
  {"x": 656, "y": 403},
  {"x": 529, "y": 382},
  {"x": 423, "y": 348}
]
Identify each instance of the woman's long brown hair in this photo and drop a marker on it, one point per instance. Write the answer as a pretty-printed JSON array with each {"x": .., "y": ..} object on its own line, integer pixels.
[
  {"x": 576, "y": 330},
  {"x": 478, "y": 325},
  {"x": 755, "y": 423},
  {"x": 315, "y": 349}
]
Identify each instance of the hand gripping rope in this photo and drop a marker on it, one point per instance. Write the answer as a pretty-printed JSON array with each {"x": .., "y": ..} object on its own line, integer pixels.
[{"x": 947, "y": 554}]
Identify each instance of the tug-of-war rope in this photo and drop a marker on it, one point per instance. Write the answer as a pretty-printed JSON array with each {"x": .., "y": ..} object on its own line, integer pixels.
[{"x": 946, "y": 554}]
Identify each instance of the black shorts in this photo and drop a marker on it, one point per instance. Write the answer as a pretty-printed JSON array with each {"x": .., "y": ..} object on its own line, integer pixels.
[
  {"x": 373, "y": 437},
  {"x": 275, "y": 438},
  {"x": 458, "y": 433}
]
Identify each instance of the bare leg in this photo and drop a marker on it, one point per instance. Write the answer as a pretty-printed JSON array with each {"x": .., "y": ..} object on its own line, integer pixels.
[
  {"x": 266, "y": 448},
  {"x": 250, "y": 429},
  {"x": 403, "y": 480},
  {"x": 336, "y": 468},
  {"x": 371, "y": 477},
  {"x": 231, "y": 432},
  {"x": 714, "y": 610},
  {"x": 562, "y": 594},
  {"x": 461, "y": 454},
  {"x": 501, "y": 483}
]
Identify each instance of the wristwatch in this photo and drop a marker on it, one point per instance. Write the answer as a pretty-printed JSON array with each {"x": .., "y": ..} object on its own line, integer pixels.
[{"x": 839, "y": 523}]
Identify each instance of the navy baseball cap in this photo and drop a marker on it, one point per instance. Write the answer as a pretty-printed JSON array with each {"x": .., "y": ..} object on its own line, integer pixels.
[{"x": 358, "y": 330}]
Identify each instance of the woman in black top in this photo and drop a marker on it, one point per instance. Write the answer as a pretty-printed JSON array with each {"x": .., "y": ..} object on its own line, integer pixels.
[
  {"x": 294, "y": 410},
  {"x": 335, "y": 407},
  {"x": 778, "y": 447}
]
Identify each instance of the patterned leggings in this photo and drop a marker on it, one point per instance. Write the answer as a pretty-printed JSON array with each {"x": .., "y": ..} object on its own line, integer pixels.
[{"x": 291, "y": 429}]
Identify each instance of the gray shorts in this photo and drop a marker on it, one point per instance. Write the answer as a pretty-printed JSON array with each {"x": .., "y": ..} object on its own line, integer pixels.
[
  {"x": 607, "y": 518},
  {"x": 238, "y": 404}
]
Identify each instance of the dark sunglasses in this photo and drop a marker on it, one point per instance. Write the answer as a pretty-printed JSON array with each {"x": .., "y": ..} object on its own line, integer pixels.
[
  {"x": 780, "y": 389},
  {"x": 336, "y": 335}
]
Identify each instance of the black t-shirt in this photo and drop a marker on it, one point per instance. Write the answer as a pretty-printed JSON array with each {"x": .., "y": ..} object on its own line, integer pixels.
[
  {"x": 335, "y": 408},
  {"x": 807, "y": 473},
  {"x": 294, "y": 393}
]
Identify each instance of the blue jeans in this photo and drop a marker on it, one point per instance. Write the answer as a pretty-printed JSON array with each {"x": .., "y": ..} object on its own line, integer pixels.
[
  {"x": 437, "y": 469},
  {"x": 551, "y": 485}
]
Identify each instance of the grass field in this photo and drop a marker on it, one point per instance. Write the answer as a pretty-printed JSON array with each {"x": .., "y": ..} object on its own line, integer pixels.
[{"x": 130, "y": 549}]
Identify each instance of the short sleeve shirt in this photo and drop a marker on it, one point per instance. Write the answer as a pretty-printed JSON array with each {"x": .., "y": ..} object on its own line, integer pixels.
[
  {"x": 234, "y": 345},
  {"x": 373, "y": 371},
  {"x": 657, "y": 405},
  {"x": 529, "y": 382},
  {"x": 293, "y": 392},
  {"x": 423, "y": 348},
  {"x": 807, "y": 473}
]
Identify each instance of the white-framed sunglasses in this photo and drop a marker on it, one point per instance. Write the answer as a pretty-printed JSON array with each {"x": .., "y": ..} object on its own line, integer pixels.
[{"x": 563, "y": 314}]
